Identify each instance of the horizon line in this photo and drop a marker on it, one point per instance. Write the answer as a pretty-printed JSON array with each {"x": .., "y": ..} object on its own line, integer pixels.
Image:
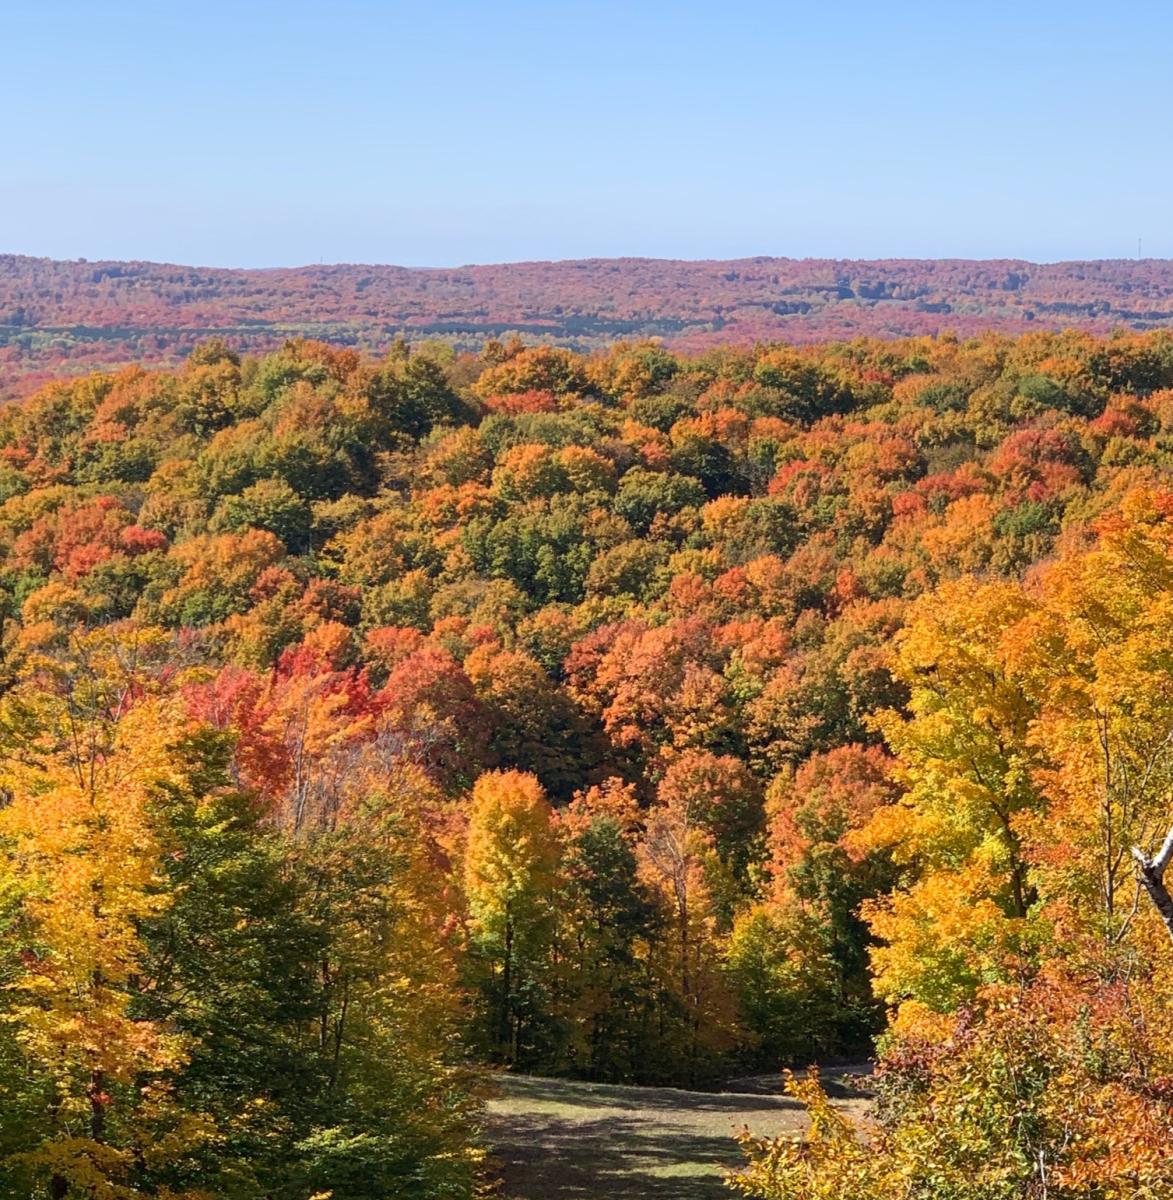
[{"x": 554, "y": 262}]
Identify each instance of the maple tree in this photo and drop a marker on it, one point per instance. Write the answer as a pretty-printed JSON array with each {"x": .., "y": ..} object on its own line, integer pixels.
[{"x": 511, "y": 862}]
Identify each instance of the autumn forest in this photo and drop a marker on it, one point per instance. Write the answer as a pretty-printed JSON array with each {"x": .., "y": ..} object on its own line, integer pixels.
[
  {"x": 371, "y": 724},
  {"x": 73, "y": 316}
]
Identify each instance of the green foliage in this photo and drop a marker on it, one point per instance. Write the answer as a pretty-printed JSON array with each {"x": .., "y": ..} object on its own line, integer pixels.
[
  {"x": 643, "y": 495},
  {"x": 269, "y": 504}
]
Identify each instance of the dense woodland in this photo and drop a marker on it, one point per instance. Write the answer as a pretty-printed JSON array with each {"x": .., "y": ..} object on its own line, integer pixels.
[
  {"x": 79, "y": 316},
  {"x": 632, "y": 716}
]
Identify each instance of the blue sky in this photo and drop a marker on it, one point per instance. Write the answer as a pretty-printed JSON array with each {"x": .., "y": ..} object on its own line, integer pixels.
[{"x": 262, "y": 134}]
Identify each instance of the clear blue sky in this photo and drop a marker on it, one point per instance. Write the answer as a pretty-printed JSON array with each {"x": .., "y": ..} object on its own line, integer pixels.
[{"x": 266, "y": 133}]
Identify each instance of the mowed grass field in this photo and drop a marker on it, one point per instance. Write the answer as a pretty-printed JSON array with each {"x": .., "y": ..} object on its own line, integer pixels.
[{"x": 556, "y": 1139}]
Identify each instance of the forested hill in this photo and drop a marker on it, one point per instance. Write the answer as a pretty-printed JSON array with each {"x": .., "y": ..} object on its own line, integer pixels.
[
  {"x": 632, "y": 718},
  {"x": 63, "y": 317}
]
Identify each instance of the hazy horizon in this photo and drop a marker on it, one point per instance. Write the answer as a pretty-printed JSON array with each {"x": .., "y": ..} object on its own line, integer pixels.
[{"x": 518, "y": 262}]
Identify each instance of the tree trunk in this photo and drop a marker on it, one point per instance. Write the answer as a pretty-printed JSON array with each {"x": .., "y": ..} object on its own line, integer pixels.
[
  {"x": 97, "y": 1099},
  {"x": 507, "y": 987},
  {"x": 1152, "y": 879}
]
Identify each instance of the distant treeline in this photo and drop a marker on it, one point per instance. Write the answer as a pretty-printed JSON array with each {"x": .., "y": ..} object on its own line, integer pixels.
[{"x": 64, "y": 317}]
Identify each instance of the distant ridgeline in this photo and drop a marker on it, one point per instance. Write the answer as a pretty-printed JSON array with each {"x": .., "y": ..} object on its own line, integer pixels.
[{"x": 65, "y": 317}]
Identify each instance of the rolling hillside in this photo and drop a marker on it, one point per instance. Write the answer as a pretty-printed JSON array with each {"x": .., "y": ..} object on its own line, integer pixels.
[{"x": 65, "y": 317}]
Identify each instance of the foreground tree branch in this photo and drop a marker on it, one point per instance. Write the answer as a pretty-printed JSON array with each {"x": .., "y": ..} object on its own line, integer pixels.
[{"x": 1152, "y": 878}]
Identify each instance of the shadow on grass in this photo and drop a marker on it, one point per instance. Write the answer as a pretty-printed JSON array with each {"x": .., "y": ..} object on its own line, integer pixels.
[
  {"x": 559, "y": 1139},
  {"x": 528, "y": 1089},
  {"x": 611, "y": 1158}
]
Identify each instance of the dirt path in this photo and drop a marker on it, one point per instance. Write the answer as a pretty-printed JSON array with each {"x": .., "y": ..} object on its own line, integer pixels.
[{"x": 560, "y": 1140}]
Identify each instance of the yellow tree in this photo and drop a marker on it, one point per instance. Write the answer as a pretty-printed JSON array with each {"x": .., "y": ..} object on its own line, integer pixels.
[
  {"x": 675, "y": 857},
  {"x": 511, "y": 866},
  {"x": 1098, "y": 659},
  {"x": 86, "y": 749},
  {"x": 969, "y": 766}
]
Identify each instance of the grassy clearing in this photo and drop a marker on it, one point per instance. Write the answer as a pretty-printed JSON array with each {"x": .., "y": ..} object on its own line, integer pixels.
[{"x": 562, "y": 1140}]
